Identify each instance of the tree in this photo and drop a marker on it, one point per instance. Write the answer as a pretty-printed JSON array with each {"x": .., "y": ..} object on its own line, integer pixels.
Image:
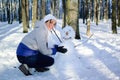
[
  {"x": 34, "y": 12},
  {"x": 53, "y": 4},
  {"x": 57, "y": 9},
  {"x": 25, "y": 18},
  {"x": 85, "y": 10},
  {"x": 9, "y": 11},
  {"x": 106, "y": 10},
  {"x": 20, "y": 11},
  {"x": 77, "y": 36},
  {"x": 96, "y": 6},
  {"x": 72, "y": 18},
  {"x": 98, "y": 12},
  {"x": 43, "y": 8},
  {"x": 101, "y": 10},
  {"x": 15, "y": 9},
  {"x": 39, "y": 10},
  {"x": 114, "y": 28},
  {"x": 1, "y": 10},
  {"x": 88, "y": 20},
  {"x": 119, "y": 13},
  {"x": 64, "y": 12}
]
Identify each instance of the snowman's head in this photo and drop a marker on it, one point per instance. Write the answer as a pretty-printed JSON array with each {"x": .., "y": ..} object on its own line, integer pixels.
[{"x": 68, "y": 33}]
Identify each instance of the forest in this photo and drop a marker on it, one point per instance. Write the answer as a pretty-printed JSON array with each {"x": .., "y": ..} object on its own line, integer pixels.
[
  {"x": 25, "y": 11},
  {"x": 92, "y": 54}
]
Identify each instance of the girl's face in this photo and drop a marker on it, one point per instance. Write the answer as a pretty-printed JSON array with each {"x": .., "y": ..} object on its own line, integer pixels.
[{"x": 50, "y": 24}]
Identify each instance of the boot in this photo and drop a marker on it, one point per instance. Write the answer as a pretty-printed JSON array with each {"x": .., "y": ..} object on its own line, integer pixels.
[
  {"x": 41, "y": 69},
  {"x": 25, "y": 69}
]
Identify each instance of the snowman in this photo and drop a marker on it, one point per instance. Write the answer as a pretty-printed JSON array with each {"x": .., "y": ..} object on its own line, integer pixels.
[{"x": 68, "y": 33}]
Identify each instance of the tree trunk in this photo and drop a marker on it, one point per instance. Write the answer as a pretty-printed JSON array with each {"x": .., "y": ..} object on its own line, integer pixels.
[
  {"x": 92, "y": 10},
  {"x": 1, "y": 11},
  {"x": 106, "y": 10},
  {"x": 77, "y": 36},
  {"x": 101, "y": 10},
  {"x": 114, "y": 28},
  {"x": 34, "y": 12},
  {"x": 15, "y": 9},
  {"x": 57, "y": 9},
  {"x": 83, "y": 12},
  {"x": 20, "y": 11},
  {"x": 119, "y": 13},
  {"x": 24, "y": 16},
  {"x": 88, "y": 20},
  {"x": 53, "y": 6},
  {"x": 43, "y": 8},
  {"x": 27, "y": 12},
  {"x": 72, "y": 15},
  {"x": 9, "y": 11},
  {"x": 64, "y": 13},
  {"x": 39, "y": 10},
  {"x": 95, "y": 5},
  {"x": 97, "y": 12}
]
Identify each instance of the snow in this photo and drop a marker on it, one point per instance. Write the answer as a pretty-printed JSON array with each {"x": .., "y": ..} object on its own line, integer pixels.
[{"x": 95, "y": 59}]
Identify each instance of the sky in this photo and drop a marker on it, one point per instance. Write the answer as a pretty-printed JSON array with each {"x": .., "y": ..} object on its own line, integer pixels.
[{"x": 96, "y": 58}]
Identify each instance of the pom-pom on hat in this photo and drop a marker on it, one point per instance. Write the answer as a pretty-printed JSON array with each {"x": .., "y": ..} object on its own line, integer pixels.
[{"x": 48, "y": 17}]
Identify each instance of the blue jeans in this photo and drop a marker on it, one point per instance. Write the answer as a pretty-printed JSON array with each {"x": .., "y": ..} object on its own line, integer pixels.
[{"x": 36, "y": 61}]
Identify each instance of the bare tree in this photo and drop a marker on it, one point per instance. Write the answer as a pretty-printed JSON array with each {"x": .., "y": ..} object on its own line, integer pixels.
[
  {"x": 1, "y": 10},
  {"x": 64, "y": 13},
  {"x": 25, "y": 15},
  {"x": 43, "y": 8},
  {"x": 72, "y": 17},
  {"x": 9, "y": 9},
  {"x": 34, "y": 13},
  {"x": 20, "y": 11},
  {"x": 77, "y": 36},
  {"x": 114, "y": 28},
  {"x": 53, "y": 6},
  {"x": 96, "y": 6},
  {"x": 106, "y": 10},
  {"x": 39, "y": 10},
  {"x": 98, "y": 12},
  {"x": 88, "y": 20},
  {"x": 119, "y": 13}
]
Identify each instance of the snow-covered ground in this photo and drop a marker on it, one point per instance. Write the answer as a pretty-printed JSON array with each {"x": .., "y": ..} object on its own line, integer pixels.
[{"x": 96, "y": 59}]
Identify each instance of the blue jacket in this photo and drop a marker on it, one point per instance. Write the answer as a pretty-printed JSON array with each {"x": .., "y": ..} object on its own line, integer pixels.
[{"x": 23, "y": 50}]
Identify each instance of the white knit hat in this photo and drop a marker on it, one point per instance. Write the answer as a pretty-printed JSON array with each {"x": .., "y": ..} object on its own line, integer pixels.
[{"x": 48, "y": 17}]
